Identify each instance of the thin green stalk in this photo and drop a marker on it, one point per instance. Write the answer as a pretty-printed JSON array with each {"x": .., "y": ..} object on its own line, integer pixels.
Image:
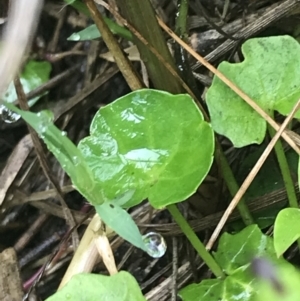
[
  {"x": 232, "y": 185},
  {"x": 285, "y": 171},
  {"x": 180, "y": 54},
  {"x": 141, "y": 15},
  {"x": 181, "y": 20},
  {"x": 194, "y": 240}
]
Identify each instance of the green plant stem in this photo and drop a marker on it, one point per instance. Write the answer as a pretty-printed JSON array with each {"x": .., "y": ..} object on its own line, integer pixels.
[
  {"x": 180, "y": 54},
  {"x": 181, "y": 20},
  {"x": 194, "y": 240},
  {"x": 140, "y": 14},
  {"x": 285, "y": 171},
  {"x": 232, "y": 185}
]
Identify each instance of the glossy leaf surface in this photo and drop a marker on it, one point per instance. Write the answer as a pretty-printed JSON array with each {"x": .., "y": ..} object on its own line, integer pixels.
[
  {"x": 91, "y": 287},
  {"x": 34, "y": 74},
  {"x": 234, "y": 255},
  {"x": 286, "y": 229},
  {"x": 269, "y": 74},
  {"x": 152, "y": 143}
]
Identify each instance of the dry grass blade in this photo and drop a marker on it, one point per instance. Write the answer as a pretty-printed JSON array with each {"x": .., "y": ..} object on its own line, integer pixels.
[
  {"x": 14, "y": 164},
  {"x": 122, "y": 61},
  {"x": 103, "y": 246},
  {"x": 250, "y": 177},
  {"x": 86, "y": 254}
]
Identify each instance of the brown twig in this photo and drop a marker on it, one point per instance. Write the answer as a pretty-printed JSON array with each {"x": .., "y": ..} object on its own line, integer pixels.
[
  {"x": 125, "y": 66},
  {"x": 200, "y": 8},
  {"x": 30, "y": 232},
  {"x": 51, "y": 83},
  {"x": 168, "y": 66}
]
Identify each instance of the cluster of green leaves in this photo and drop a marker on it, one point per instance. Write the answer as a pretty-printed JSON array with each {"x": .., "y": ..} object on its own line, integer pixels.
[
  {"x": 151, "y": 144},
  {"x": 269, "y": 75},
  {"x": 235, "y": 255}
]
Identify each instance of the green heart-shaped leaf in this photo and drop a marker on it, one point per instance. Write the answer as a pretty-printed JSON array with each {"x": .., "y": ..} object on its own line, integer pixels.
[
  {"x": 152, "y": 143},
  {"x": 234, "y": 255},
  {"x": 269, "y": 74}
]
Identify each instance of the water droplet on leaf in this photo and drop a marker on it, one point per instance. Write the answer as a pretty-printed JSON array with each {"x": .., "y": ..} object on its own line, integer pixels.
[
  {"x": 155, "y": 244},
  {"x": 64, "y": 133},
  {"x": 76, "y": 160},
  {"x": 46, "y": 116},
  {"x": 7, "y": 115},
  {"x": 46, "y": 119}
]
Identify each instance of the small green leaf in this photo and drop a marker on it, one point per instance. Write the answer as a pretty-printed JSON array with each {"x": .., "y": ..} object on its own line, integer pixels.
[
  {"x": 121, "y": 222},
  {"x": 238, "y": 250},
  {"x": 91, "y": 287},
  {"x": 34, "y": 74},
  {"x": 150, "y": 142},
  {"x": 269, "y": 74},
  {"x": 92, "y": 32},
  {"x": 234, "y": 255},
  {"x": 286, "y": 229},
  {"x": 236, "y": 287}
]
